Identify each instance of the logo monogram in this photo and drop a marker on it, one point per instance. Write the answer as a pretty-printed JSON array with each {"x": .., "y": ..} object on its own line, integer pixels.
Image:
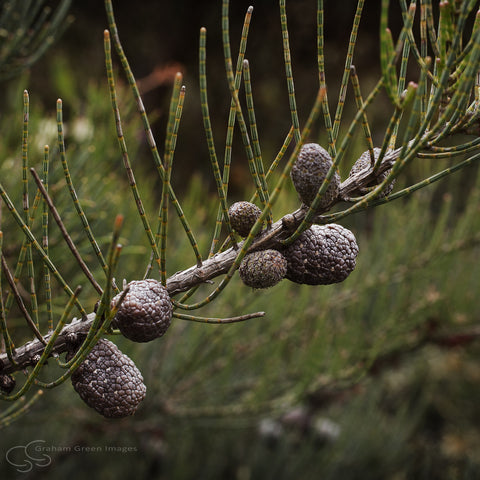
[{"x": 25, "y": 457}]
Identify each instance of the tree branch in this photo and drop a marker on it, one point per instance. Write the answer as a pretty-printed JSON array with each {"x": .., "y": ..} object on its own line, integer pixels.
[{"x": 213, "y": 267}]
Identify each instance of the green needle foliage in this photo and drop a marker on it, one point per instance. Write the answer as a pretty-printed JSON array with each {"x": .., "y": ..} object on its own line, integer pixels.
[
  {"x": 316, "y": 339},
  {"x": 27, "y": 30}
]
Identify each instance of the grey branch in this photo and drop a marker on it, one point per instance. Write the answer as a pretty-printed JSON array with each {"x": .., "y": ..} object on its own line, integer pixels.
[{"x": 184, "y": 280}]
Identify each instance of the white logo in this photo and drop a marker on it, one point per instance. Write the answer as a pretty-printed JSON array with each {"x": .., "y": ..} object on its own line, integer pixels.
[{"x": 25, "y": 457}]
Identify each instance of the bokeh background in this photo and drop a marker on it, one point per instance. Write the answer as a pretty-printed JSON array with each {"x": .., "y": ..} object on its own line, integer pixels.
[{"x": 377, "y": 377}]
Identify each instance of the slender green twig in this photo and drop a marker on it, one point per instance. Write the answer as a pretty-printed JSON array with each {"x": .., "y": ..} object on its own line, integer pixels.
[
  {"x": 104, "y": 313},
  {"x": 20, "y": 408},
  {"x": 277, "y": 159},
  {"x": 346, "y": 71},
  {"x": 401, "y": 86},
  {"x": 32, "y": 28},
  {"x": 8, "y": 342},
  {"x": 46, "y": 352},
  {"x": 146, "y": 125},
  {"x": 209, "y": 133},
  {"x": 288, "y": 71},
  {"x": 66, "y": 236},
  {"x": 23, "y": 252},
  {"x": 232, "y": 116},
  {"x": 335, "y": 217},
  {"x": 254, "y": 134},
  {"x": 26, "y": 115},
  {"x": 170, "y": 143},
  {"x": 234, "y": 90},
  {"x": 125, "y": 156},
  {"x": 448, "y": 152},
  {"x": 46, "y": 259},
  {"x": 218, "y": 321},
  {"x": 18, "y": 298},
  {"x": 26, "y": 207},
  {"x": 327, "y": 119},
  {"x": 71, "y": 188},
  {"x": 359, "y": 101},
  {"x": 46, "y": 271}
]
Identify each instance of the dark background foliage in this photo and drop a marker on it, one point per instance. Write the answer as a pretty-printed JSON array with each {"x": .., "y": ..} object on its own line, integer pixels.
[{"x": 348, "y": 381}]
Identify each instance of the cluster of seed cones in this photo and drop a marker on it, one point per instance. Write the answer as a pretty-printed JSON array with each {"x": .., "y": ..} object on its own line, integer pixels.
[
  {"x": 108, "y": 380},
  {"x": 322, "y": 254}
]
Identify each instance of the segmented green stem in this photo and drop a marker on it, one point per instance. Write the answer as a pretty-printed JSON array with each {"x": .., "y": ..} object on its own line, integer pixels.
[
  {"x": 26, "y": 104},
  {"x": 46, "y": 352},
  {"x": 29, "y": 235},
  {"x": 389, "y": 137},
  {"x": 431, "y": 28},
  {"x": 387, "y": 53},
  {"x": 288, "y": 71},
  {"x": 20, "y": 407},
  {"x": 281, "y": 152},
  {"x": 419, "y": 55},
  {"x": 125, "y": 156},
  {"x": 23, "y": 252},
  {"x": 170, "y": 145},
  {"x": 448, "y": 152},
  {"x": 71, "y": 188},
  {"x": 423, "y": 28},
  {"x": 207, "y": 125},
  {"x": 104, "y": 314},
  {"x": 401, "y": 86},
  {"x": 411, "y": 149},
  {"x": 453, "y": 116},
  {"x": 46, "y": 271},
  {"x": 8, "y": 342},
  {"x": 254, "y": 134},
  {"x": 64, "y": 232},
  {"x": 218, "y": 321},
  {"x": 346, "y": 71},
  {"x": 359, "y": 101},
  {"x": 146, "y": 125},
  {"x": 327, "y": 119},
  {"x": 33, "y": 326},
  {"x": 335, "y": 217},
  {"x": 26, "y": 206},
  {"x": 32, "y": 288},
  {"x": 234, "y": 90},
  {"x": 162, "y": 224},
  {"x": 233, "y": 110},
  {"x": 277, "y": 160}
]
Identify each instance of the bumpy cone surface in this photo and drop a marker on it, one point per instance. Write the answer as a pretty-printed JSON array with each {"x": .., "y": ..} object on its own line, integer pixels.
[
  {"x": 146, "y": 311},
  {"x": 309, "y": 172},
  {"x": 243, "y": 216},
  {"x": 365, "y": 162},
  {"x": 109, "y": 381},
  {"x": 263, "y": 269},
  {"x": 321, "y": 255}
]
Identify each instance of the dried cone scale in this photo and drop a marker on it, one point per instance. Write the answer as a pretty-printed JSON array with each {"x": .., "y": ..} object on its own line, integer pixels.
[
  {"x": 363, "y": 162},
  {"x": 263, "y": 269},
  {"x": 108, "y": 381},
  {"x": 309, "y": 172},
  {"x": 243, "y": 216},
  {"x": 146, "y": 311},
  {"x": 321, "y": 255}
]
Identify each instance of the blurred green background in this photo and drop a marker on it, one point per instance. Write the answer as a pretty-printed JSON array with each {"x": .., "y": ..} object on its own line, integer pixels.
[{"x": 377, "y": 377}]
